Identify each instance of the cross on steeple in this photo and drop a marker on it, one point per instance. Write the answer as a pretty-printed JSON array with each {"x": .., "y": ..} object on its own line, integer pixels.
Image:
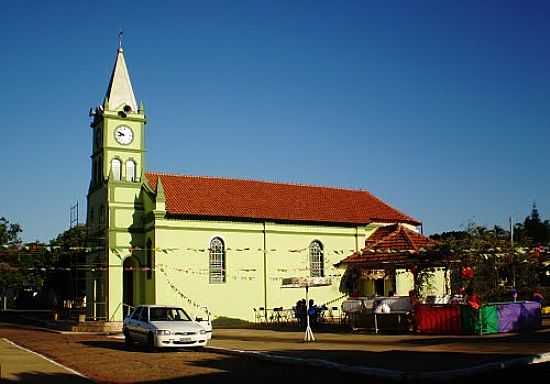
[{"x": 120, "y": 39}]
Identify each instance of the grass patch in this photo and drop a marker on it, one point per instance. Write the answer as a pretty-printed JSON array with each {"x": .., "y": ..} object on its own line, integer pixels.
[{"x": 229, "y": 322}]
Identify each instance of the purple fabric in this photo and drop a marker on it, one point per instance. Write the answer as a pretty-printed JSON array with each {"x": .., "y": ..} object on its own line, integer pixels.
[
  {"x": 508, "y": 317},
  {"x": 520, "y": 316},
  {"x": 530, "y": 317}
]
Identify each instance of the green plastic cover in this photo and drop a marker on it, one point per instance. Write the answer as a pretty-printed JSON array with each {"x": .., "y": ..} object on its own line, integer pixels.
[{"x": 482, "y": 321}]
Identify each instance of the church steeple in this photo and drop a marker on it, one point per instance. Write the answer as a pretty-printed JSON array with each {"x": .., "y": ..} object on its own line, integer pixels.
[{"x": 120, "y": 91}]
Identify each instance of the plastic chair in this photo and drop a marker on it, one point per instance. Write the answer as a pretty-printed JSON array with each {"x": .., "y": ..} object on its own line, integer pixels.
[
  {"x": 259, "y": 315},
  {"x": 334, "y": 314}
]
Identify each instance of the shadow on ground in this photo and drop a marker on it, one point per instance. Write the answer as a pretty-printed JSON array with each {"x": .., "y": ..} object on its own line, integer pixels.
[
  {"x": 46, "y": 378},
  {"x": 516, "y": 338},
  {"x": 121, "y": 346}
]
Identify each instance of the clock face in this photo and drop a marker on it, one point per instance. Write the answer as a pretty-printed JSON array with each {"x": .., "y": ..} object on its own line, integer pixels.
[{"x": 124, "y": 135}]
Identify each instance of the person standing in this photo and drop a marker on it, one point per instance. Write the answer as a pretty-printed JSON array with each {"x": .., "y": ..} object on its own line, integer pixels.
[{"x": 538, "y": 297}]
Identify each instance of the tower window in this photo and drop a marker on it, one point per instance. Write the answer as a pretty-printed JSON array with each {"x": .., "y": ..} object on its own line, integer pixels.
[
  {"x": 217, "y": 261},
  {"x": 115, "y": 169},
  {"x": 130, "y": 170},
  {"x": 316, "y": 259}
]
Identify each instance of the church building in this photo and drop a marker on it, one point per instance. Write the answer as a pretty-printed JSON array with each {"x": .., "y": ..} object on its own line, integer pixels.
[{"x": 223, "y": 243}]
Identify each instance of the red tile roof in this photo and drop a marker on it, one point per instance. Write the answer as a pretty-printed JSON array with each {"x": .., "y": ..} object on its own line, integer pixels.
[
  {"x": 198, "y": 196},
  {"x": 391, "y": 244},
  {"x": 398, "y": 237}
]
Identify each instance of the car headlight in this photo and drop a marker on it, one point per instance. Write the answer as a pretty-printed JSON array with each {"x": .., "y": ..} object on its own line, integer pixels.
[
  {"x": 202, "y": 332},
  {"x": 163, "y": 332}
]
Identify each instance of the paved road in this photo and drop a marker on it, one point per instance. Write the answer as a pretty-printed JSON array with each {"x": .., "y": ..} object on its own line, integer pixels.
[
  {"x": 106, "y": 359},
  {"x": 18, "y": 365},
  {"x": 404, "y": 353}
]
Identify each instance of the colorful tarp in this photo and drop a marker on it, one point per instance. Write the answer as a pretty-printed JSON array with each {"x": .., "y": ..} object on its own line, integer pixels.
[
  {"x": 518, "y": 316},
  {"x": 482, "y": 321},
  {"x": 490, "y": 318},
  {"x": 436, "y": 319}
]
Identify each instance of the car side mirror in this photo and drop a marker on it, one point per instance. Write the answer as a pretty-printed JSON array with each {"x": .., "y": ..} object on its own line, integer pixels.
[{"x": 199, "y": 319}]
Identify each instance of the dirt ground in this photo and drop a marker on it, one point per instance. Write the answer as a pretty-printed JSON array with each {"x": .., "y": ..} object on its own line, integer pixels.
[{"x": 107, "y": 360}]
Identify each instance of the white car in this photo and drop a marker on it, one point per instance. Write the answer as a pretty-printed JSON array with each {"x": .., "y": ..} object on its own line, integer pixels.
[{"x": 160, "y": 326}]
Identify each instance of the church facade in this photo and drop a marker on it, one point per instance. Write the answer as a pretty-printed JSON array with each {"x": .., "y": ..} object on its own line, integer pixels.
[{"x": 222, "y": 243}]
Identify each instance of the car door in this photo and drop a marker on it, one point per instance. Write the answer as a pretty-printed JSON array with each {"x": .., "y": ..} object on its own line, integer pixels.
[
  {"x": 132, "y": 323},
  {"x": 142, "y": 325}
]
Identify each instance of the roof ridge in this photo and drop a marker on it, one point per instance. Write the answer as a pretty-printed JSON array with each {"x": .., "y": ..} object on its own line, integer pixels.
[
  {"x": 326, "y": 203},
  {"x": 405, "y": 231},
  {"x": 388, "y": 236},
  {"x": 271, "y": 182}
]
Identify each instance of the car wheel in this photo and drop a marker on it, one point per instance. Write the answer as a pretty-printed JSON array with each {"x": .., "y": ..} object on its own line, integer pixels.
[
  {"x": 128, "y": 340},
  {"x": 150, "y": 343}
]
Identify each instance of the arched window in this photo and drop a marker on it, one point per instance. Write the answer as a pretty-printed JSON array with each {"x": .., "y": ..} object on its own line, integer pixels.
[
  {"x": 115, "y": 169},
  {"x": 316, "y": 259},
  {"x": 217, "y": 261},
  {"x": 130, "y": 170}
]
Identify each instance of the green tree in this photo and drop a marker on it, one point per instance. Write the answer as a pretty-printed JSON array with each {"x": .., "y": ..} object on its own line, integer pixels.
[
  {"x": 23, "y": 267},
  {"x": 497, "y": 264},
  {"x": 68, "y": 255},
  {"x": 9, "y": 232},
  {"x": 535, "y": 230}
]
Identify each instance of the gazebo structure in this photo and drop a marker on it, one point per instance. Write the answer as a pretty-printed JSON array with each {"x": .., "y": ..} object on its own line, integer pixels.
[{"x": 395, "y": 247}]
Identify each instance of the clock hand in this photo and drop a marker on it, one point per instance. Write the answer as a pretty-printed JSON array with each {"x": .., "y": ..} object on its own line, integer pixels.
[{"x": 120, "y": 133}]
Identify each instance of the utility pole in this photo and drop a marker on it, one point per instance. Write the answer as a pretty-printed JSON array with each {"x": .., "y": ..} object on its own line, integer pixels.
[
  {"x": 513, "y": 253},
  {"x": 73, "y": 218}
]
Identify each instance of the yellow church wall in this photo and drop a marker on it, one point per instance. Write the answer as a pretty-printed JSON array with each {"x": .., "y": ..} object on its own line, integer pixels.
[
  {"x": 291, "y": 258},
  {"x": 125, "y": 195},
  {"x": 186, "y": 266}
]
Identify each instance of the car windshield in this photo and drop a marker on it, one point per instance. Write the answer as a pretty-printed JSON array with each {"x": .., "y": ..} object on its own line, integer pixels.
[{"x": 168, "y": 314}]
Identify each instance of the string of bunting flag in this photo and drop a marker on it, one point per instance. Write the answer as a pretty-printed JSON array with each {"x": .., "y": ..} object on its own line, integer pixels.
[
  {"x": 490, "y": 251},
  {"x": 178, "y": 291},
  {"x": 38, "y": 247},
  {"x": 245, "y": 273}
]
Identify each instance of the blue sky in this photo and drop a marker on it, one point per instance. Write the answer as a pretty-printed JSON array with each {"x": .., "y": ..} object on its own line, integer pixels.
[{"x": 441, "y": 109}]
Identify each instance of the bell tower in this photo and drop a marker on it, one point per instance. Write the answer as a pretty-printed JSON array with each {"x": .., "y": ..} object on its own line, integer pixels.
[
  {"x": 118, "y": 132},
  {"x": 114, "y": 213}
]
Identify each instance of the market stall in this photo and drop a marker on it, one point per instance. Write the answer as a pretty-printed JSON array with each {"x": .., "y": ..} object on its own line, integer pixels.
[
  {"x": 489, "y": 318},
  {"x": 503, "y": 317},
  {"x": 438, "y": 319}
]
